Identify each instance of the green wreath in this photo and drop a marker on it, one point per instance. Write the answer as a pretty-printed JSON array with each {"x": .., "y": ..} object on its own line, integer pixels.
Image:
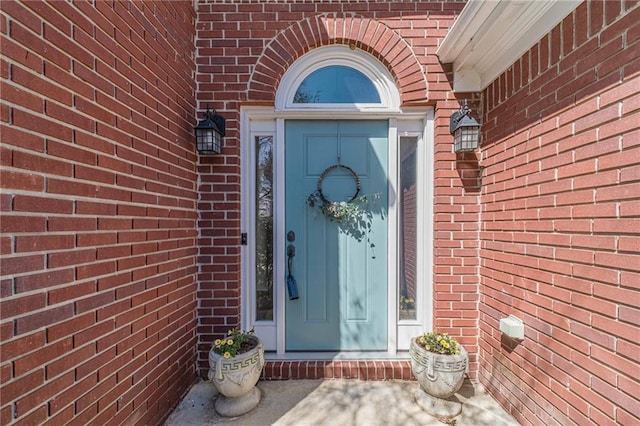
[{"x": 338, "y": 211}]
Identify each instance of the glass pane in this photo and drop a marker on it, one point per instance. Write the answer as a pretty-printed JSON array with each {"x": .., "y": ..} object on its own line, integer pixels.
[
  {"x": 264, "y": 228},
  {"x": 336, "y": 84},
  {"x": 408, "y": 230}
]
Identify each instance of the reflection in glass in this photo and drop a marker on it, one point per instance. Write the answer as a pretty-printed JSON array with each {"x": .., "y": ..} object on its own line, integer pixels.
[
  {"x": 264, "y": 228},
  {"x": 336, "y": 84},
  {"x": 408, "y": 230}
]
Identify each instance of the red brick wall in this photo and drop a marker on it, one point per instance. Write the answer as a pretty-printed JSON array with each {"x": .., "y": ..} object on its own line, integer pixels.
[
  {"x": 560, "y": 237},
  {"x": 243, "y": 49},
  {"x": 98, "y": 211}
]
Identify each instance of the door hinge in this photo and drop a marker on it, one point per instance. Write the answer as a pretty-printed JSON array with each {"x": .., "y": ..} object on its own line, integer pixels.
[{"x": 243, "y": 239}]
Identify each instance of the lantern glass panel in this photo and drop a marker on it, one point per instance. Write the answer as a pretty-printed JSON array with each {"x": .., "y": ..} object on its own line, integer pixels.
[
  {"x": 466, "y": 138},
  {"x": 208, "y": 141}
]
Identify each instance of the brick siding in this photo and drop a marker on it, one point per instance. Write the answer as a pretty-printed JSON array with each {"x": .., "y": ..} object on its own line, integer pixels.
[
  {"x": 560, "y": 225},
  {"x": 98, "y": 211}
]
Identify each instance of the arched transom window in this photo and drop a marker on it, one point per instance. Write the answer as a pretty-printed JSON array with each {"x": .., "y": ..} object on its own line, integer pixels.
[{"x": 337, "y": 78}]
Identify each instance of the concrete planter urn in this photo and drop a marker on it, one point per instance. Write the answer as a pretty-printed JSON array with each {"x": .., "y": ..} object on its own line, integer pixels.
[
  {"x": 236, "y": 377},
  {"x": 440, "y": 377}
]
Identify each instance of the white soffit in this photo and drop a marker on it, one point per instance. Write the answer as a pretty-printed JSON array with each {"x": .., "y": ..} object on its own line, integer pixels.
[{"x": 490, "y": 35}]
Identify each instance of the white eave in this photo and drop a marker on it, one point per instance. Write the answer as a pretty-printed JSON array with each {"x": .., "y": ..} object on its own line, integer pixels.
[{"x": 490, "y": 35}]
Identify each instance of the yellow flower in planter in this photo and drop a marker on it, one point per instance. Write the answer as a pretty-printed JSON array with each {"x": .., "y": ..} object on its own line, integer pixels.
[
  {"x": 237, "y": 342},
  {"x": 440, "y": 343}
]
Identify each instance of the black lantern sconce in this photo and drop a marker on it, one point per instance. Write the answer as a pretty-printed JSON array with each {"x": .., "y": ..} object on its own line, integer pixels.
[
  {"x": 209, "y": 133},
  {"x": 465, "y": 130}
]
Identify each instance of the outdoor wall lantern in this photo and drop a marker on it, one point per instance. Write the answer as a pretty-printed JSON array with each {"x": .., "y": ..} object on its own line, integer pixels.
[
  {"x": 209, "y": 133},
  {"x": 465, "y": 130}
]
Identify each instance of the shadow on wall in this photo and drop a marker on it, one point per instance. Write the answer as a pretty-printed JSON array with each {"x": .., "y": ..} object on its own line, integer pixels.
[
  {"x": 470, "y": 171},
  {"x": 509, "y": 344}
]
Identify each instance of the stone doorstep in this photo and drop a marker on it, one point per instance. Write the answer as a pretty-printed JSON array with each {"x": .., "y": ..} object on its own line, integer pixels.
[{"x": 338, "y": 369}]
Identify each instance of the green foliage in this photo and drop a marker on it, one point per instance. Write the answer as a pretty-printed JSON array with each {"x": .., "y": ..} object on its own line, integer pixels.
[
  {"x": 235, "y": 343},
  {"x": 439, "y": 343},
  {"x": 353, "y": 217},
  {"x": 339, "y": 211}
]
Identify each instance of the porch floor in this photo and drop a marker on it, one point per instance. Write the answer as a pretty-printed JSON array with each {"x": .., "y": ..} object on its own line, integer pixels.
[{"x": 347, "y": 402}]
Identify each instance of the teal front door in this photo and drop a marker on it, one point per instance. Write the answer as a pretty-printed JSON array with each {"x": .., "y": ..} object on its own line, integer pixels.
[{"x": 340, "y": 268}]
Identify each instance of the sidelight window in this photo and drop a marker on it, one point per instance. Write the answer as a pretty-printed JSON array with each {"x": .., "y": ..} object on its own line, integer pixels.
[
  {"x": 264, "y": 228},
  {"x": 408, "y": 232}
]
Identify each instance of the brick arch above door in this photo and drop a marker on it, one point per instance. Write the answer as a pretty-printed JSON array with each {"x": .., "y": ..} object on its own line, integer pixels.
[{"x": 358, "y": 32}]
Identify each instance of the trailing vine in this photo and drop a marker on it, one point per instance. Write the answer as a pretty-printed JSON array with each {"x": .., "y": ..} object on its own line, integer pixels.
[{"x": 339, "y": 211}]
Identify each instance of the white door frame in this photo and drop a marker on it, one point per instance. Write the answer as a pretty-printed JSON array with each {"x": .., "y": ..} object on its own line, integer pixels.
[{"x": 413, "y": 123}]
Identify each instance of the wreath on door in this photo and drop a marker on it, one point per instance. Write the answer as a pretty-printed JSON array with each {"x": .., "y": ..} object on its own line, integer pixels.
[{"x": 344, "y": 212}]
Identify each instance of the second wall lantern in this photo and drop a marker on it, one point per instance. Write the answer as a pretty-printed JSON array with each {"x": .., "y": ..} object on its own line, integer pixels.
[{"x": 465, "y": 130}]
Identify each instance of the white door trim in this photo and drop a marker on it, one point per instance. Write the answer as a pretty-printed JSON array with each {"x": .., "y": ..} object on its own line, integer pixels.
[{"x": 265, "y": 121}]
